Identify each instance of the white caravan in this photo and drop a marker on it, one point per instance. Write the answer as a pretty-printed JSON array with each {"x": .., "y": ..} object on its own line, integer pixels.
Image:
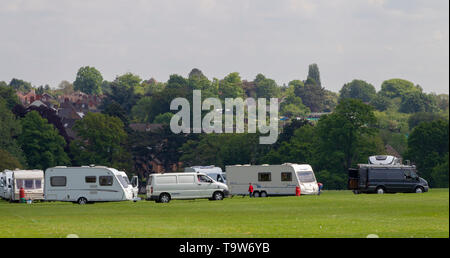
[
  {"x": 87, "y": 184},
  {"x": 165, "y": 187},
  {"x": 32, "y": 182},
  {"x": 271, "y": 180},
  {"x": 215, "y": 173}
]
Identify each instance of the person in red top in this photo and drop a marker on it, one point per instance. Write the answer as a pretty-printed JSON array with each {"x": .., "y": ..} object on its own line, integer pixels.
[{"x": 250, "y": 190}]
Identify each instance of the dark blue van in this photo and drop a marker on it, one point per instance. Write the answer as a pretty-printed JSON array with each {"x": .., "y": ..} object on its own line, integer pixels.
[{"x": 386, "y": 179}]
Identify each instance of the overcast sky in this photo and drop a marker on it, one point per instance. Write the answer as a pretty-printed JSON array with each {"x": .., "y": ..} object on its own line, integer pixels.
[{"x": 47, "y": 41}]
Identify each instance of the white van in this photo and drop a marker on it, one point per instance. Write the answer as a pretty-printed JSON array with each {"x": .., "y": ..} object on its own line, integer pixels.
[
  {"x": 215, "y": 173},
  {"x": 271, "y": 180},
  {"x": 87, "y": 184},
  {"x": 32, "y": 182},
  {"x": 165, "y": 187}
]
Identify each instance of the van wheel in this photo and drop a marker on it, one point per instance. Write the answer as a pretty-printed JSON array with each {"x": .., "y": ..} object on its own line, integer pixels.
[
  {"x": 218, "y": 196},
  {"x": 164, "y": 198},
  {"x": 263, "y": 194},
  {"x": 256, "y": 194},
  {"x": 419, "y": 190},
  {"x": 380, "y": 190},
  {"x": 356, "y": 192},
  {"x": 82, "y": 201}
]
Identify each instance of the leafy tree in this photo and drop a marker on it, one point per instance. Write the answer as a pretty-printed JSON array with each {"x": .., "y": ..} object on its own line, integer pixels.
[
  {"x": 358, "y": 89},
  {"x": 41, "y": 143},
  {"x": 7, "y": 161},
  {"x": 198, "y": 81},
  {"x": 413, "y": 102},
  {"x": 342, "y": 135},
  {"x": 88, "y": 80},
  {"x": 314, "y": 74},
  {"x": 312, "y": 95},
  {"x": 266, "y": 88},
  {"x": 293, "y": 106},
  {"x": 10, "y": 128},
  {"x": 397, "y": 88},
  {"x": 417, "y": 118},
  {"x": 115, "y": 109},
  {"x": 231, "y": 86},
  {"x": 8, "y": 94},
  {"x": 428, "y": 147},
  {"x": 101, "y": 140},
  {"x": 381, "y": 102},
  {"x": 20, "y": 85},
  {"x": 163, "y": 118}
]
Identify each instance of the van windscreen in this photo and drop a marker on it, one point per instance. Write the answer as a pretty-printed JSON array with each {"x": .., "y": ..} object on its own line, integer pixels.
[{"x": 306, "y": 176}]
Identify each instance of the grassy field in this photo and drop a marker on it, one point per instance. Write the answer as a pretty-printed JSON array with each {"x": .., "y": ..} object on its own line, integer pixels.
[{"x": 333, "y": 214}]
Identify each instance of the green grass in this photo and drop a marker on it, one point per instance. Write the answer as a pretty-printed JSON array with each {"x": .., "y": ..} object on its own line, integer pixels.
[{"x": 333, "y": 214}]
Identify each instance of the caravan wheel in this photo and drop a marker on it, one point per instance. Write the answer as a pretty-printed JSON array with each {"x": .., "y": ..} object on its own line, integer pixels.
[
  {"x": 263, "y": 194},
  {"x": 256, "y": 194},
  {"x": 82, "y": 201}
]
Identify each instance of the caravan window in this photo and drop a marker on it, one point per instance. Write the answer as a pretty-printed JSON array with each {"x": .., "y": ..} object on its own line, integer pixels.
[
  {"x": 286, "y": 176},
  {"x": 58, "y": 181},
  {"x": 265, "y": 177},
  {"x": 90, "y": 179},
  {"x": 37, "y": 183},
  {"x": 123, "y": 181},
  {"x": 105, "y": 180},
  {"x": 306, "y": 176},
  {"x": 19, "y": 183},
  {"x": 29, "y": 184}
]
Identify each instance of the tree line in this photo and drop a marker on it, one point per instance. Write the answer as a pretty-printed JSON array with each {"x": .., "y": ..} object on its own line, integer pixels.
[{"x": 359, "y": 122}]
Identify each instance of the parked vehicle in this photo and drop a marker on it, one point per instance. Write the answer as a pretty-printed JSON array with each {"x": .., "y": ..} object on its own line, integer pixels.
[
  {"x": 271, "y": 180},
  {"x": 187, "y": 185},
  {"x": 6, "y": 184},
  {"x": 386, "y": 179},
  {"x": 32, "y": 182},
  {"x": 384, "y": 160},
  {"x": 215, "y": 173},
  {"x": 88, "y": 184}
]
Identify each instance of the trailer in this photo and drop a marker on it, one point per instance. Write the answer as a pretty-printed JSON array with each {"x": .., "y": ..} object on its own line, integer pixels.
[
  {"x": 32, "y": 181},
  {"x": 88, "y": 184},
  {"x": 272, "y": 180}
]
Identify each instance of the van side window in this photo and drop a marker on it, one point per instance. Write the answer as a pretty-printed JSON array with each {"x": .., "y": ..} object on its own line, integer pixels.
[
  {"x": 91, "y": 179},
  {"x": 203, "y": 179},
  {"x": 265, "y": 177},
  {"x": 58, "y": 181},
  {"x": 105, "y": 180},
  {"x": 286, "y": 176}
]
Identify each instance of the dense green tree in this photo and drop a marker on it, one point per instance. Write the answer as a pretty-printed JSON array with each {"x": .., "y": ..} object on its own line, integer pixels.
[
  {"x": 413, "y": 102},
  {"x": 312, "y": 95},
  {"x": 10, "y": 128},
  {"x": 41, "y": 143},
  {"x": 397, "y": 88},
  {"x": 89, "y": 80},
  {"x": 231, "y": 86},
  {"x": 163, "y": 118},
  {"x": 101, "y": 140},
  {"x": 314, "y": 74},
  {"x": 292, "y": 106},
  {"x": 7, "y": 161},
  {"x": 20, "y": 85},
  {"x": 266, "y": 88},
  {"x": 358, "y": 89},
  {"x": 381, "y": 102},
  {"x": 417, "y": 118},
  {"x": 8, "y": 95},
  {"x": 343, "y": 134},
  {"x": 428, "y": 147}
]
